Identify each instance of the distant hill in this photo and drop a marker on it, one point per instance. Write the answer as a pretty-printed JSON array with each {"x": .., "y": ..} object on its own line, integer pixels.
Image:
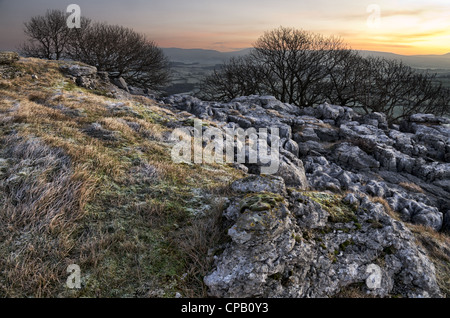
[
  {"x": 211, "y": 57},
  {"x": 201, "y": 56},
  {"x": 416, "y": 61}
]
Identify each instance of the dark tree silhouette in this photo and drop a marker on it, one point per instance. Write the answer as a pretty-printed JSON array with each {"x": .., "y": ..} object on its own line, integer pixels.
[
  {"x": 393, "y": 88},
  {"x": 287, "y": 63},
  {"x": 122, "y": 52},
  {"x": 48, "y": 36},
  {"x": 240, "y": 76},
  {"x": 118, "y": 50},
  {"x": 295, "y": 62},
  {"x": 306, "y": 69}
]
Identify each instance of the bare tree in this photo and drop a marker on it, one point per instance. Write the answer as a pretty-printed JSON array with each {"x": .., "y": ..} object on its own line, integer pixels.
[
  {"x": 343, "y": 80},
  {"x": 306, "y": 69},
  {"x": 393, "y": 88},
  {"x": 122, "y": 52},
  {"x": 112, "y": 48},
  {"x": 240, "y": 76},
  {"x": 48, "y": 36},
  {"x": 295, "y": 62},
  {"x": 443, "y": 102},
  {"x": 289, "y": 64}
]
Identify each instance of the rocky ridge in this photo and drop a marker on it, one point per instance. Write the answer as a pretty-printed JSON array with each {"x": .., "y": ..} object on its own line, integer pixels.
[{"x": 346, "y": 185}]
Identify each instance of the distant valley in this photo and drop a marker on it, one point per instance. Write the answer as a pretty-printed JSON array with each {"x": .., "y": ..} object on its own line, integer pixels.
[{"x": 189, "y": 66}]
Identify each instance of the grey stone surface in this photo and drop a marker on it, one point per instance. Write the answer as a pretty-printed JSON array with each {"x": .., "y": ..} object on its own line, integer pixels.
[
  {"x": 313, "y": 229},
  {"x": 288, "y": 247},
  {"x": 120, "y": 83},
  {"x": 251, "y": 184},
  {"x": 333, "y": 148}
]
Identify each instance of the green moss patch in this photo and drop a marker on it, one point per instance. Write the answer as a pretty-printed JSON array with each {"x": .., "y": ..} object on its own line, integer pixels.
[
  {"x": 340, "y": 212},
  {"x": 260, "y": 201}
]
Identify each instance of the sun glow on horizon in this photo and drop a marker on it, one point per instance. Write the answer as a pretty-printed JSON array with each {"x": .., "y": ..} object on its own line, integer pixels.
[
  {"x": 405, "y": 27},
  {"x": 408, "y": 27}
]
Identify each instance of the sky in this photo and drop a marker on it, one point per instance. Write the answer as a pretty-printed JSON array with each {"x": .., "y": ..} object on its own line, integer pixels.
[{"x": 408, "y": 27}]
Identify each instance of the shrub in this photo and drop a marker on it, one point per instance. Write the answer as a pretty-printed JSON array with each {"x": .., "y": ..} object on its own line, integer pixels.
[
  {"x": 116, "y": 49},
  {"x": 307, "y": 69},
  {"x": 122, "y": 52}
]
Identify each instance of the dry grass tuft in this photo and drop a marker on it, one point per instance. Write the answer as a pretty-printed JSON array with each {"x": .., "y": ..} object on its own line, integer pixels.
[
  {"x": 42, "y": 197},
  {"x": 196, "y": 240},
  {"x": 387, "y": 207},
  {"x": 119, "y": 208},
  {"x": 411, "y": 187},
  {"x": 437, "y": 246},
  {"x": 356, "y": 290}
]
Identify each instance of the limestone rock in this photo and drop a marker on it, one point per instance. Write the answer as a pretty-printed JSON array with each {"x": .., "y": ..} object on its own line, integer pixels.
[
  {"x": 289, "y": 242},
  {"x": 83, "y": 75},
  {"x": 288, "y": 247},
  {"x": 250, "y": 184},
  {"x": 341, "y": 150},
  {"x": 78, "y": 70},
  {"x": 120, "y": 83},
  {"x": 292, "y": 171},
  {"x": 354, "y": 157}
]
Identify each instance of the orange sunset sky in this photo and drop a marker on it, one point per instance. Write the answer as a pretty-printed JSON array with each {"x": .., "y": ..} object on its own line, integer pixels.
[{"x": 400, "y": 26}]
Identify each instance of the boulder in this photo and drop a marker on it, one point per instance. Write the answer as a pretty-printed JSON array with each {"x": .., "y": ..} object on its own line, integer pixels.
[
  {"x": 416, "y": 212},
  {"x": 327, "y": 134},
  {"x": 354, "y": 157},
  {"x": 317, "y": 245},
  {"x": 255, "y": 183},
  {"x": 291, "y": 146},
  {"x": 307, "y": 134},
  {"x": 270, "y": 102},
  {"x": 412, "y": 123},
  {"x": 104, "y": 76},
  {"x": 83, "y": 75},
  {"x": 376, "y": 119},
  {"x": 240, "y": 120},
  {"x": 311, "y": 148},
  {"x": 78, "y": 70},
  {"x": 327, "y": 111},
  {"x": 292, "y": 171},
  {"x": 120, "y": 83}
]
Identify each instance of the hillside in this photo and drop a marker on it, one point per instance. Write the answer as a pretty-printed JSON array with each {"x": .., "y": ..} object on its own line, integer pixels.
[
  {"x": 190, "y": 66},
  {"x": 215, "y": 57},
  {"x": 88, "y": 177}
]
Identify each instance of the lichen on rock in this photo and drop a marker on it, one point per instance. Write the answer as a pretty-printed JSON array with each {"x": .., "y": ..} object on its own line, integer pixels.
[{"x": 315, "y": 244}]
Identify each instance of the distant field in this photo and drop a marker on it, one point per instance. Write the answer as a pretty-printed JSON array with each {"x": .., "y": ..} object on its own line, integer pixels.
[
  {"x": 186, "y": 77},
  {"x": 445, "y": 80},
  {"x": 442, "y": 75},
  {"x": 189, "y": 66}
]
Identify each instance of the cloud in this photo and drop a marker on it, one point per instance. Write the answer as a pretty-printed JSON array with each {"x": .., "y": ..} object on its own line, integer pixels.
[{"x": 409, "y": 12}]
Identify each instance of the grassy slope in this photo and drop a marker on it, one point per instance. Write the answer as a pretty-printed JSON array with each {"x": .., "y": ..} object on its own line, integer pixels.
[{"x": 117, "y": 207}]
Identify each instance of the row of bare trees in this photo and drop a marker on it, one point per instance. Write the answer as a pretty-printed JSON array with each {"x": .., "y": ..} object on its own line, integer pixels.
[
  {"x": 116, "y": 49},
  {"x": 306, "y": 69}
]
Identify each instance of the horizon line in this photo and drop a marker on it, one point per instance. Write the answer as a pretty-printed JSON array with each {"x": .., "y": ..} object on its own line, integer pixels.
[{"x": 247, "y": 48}]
